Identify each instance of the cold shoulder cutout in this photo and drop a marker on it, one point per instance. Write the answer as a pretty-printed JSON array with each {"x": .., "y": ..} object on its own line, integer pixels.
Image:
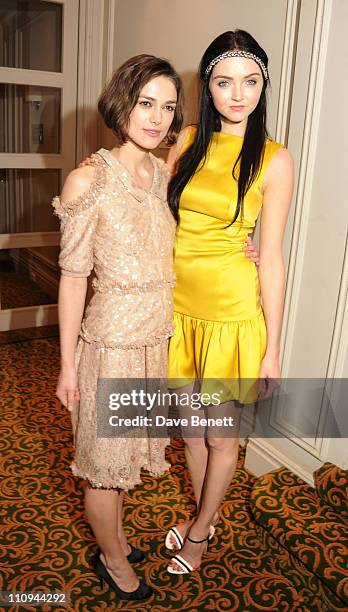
[{"x": 89, "y": 197}]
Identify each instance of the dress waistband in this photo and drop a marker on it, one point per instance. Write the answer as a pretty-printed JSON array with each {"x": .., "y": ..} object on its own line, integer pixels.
[
  {"x": 134, "y": 288},
  {"x": 161, "y": 335}
]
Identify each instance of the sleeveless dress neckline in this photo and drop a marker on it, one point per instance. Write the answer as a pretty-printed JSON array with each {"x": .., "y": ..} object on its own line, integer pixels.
[{"x": 216, "y": 134}]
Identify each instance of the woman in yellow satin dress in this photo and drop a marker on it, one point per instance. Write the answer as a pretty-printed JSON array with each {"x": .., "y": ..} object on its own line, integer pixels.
[
  {"x": 226, "y": 172},
  {"x": 220, "y": 326}
]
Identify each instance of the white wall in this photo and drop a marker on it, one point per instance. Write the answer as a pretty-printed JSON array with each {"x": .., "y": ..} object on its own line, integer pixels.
[
  {"x": 325, "y": 215},
  {"x": 182, "y": 30}
]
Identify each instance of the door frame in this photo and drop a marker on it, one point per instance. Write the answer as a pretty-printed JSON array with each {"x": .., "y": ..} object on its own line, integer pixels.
[{"x": 84, "y": 25}]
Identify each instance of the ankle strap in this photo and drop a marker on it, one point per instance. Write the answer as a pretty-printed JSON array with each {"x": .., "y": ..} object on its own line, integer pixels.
[{"x": 197, "y": 541}]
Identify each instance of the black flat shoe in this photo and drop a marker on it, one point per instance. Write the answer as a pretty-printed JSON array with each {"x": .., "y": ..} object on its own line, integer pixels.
[
  {"x": 142, "y": 592},
  {"x": 135, "y": 555}
]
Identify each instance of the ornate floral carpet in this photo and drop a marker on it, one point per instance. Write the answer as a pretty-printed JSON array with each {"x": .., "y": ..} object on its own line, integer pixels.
[{"x": 46, "y": 544}]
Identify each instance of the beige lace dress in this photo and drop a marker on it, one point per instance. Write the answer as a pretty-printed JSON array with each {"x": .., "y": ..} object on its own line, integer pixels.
[{"x": 124, "y": 234}]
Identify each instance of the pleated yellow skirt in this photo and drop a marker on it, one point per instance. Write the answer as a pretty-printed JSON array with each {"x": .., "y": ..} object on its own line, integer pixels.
[{"x": 225, "y": 356}]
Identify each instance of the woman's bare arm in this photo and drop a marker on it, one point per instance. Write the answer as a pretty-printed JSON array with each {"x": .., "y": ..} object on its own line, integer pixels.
[
  {"x": 278, "y": 188},
  {"x": 71, "y": 301}
]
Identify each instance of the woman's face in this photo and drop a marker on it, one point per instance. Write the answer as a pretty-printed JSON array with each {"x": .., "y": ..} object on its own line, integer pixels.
[
  {"x": 150, "y": 119},
  {"x": 235, "y": 86}
]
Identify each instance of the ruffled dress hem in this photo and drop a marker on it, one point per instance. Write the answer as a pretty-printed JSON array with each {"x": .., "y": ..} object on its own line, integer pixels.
[
  {"x": 220, "y": 354},
  {"x": 117, "y": 483}
]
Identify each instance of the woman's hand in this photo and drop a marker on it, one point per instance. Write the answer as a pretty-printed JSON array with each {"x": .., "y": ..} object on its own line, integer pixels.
[
  {"x": 269, "y": 377},
  {"x": 86, "y": 162},
  {"x": 251, "y": 251},
  {"x": 270, "y": 367},
  {"x": 67, "y": 389}
]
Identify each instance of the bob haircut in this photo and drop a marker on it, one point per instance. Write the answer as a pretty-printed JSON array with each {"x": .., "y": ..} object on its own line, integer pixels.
[{"x": 121, "y": 94}]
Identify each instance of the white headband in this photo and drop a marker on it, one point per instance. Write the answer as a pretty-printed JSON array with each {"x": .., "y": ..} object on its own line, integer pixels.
[{"x": 237, "y": 53}]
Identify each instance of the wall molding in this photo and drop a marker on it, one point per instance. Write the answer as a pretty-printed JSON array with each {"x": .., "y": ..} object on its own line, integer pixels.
[
  {"x": 90, "y": 75},
  {"x": 337, "y": 364},
  {"x": 287, "y": 70},
  {"x": 306, "y": 175},
  {"x": 110, "y": 38},
  {"x": 339, "y": 346},
  {"x": 263, "y": 456},
  {"x": 105, "y": 136},
  {"x": 30, "y": 316}
]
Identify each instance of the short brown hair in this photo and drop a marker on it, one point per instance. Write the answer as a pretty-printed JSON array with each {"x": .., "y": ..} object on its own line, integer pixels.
[{"x": 121, "y": 94}]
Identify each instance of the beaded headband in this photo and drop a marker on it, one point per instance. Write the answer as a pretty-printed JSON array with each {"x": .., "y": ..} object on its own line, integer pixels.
[{"x": 236, "y": 53}]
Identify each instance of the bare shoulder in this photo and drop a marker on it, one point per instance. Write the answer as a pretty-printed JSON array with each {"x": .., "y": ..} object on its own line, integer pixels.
[
  {"x": 183, "y": 134},
  {"x": 282, "y": 161},
  {"x": 280, "y": 168},
  {"x": 175, "y": 150},
  {"x": 77, "y": 183}
]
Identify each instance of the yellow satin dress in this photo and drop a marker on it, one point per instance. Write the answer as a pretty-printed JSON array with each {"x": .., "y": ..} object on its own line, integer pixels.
[{"x": 220, "y": 330}]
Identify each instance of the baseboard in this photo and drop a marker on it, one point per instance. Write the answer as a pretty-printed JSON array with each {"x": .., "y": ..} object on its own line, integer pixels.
[{"x": 262, "y": 457}]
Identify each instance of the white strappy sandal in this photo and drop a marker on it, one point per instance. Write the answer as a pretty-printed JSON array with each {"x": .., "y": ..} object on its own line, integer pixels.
[
  {"x": 179, "y": 540},
  {"x": 185, "y": 566}
]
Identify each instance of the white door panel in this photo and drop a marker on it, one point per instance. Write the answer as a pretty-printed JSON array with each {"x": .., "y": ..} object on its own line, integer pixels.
[{"x": 38, "y": 99}]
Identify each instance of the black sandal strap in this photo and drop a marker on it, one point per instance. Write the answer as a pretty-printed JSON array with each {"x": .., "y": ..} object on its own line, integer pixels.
[
  {"x": 181, "y": 561},
  {"x": 198, "y": 541}
]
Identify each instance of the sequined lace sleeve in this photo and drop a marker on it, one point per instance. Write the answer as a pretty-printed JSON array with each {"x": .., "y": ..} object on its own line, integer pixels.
[{"x": 78, "y": 222}]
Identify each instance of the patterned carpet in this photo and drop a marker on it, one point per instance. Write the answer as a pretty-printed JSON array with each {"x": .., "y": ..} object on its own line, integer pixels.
[{"x": 46, "y": 542}]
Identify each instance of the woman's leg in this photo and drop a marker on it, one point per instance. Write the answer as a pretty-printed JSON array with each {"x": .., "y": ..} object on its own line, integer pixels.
[
  {"x": 102, "y": 513},
  {"x": 120, "y": 531},
  {"x": 196, "y": 453},
  {"x": 222, "y": 460}
]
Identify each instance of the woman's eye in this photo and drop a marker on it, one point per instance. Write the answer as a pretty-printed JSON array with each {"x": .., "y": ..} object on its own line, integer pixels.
[
  {"x": 251, "y": 82},
  {"x": 170, "y": 108},
  {"x": 145, "y": 103},
  {"x": 223, "y": 83}
]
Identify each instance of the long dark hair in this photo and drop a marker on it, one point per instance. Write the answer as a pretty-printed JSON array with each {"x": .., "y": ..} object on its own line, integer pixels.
[{"x": 251, "y": 154}]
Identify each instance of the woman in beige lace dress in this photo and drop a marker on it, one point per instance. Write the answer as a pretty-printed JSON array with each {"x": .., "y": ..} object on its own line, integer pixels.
[{"x": 116, "y": 223}]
